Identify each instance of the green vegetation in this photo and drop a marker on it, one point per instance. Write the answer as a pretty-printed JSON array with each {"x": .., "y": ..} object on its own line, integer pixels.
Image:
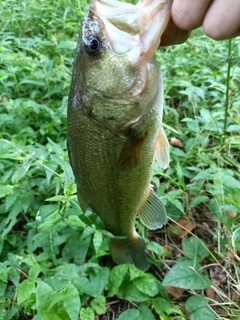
[{"x": 54, "y": 261}]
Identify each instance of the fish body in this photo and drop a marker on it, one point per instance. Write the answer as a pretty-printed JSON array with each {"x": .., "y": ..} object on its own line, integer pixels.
[{"x": 115, "y": 120}]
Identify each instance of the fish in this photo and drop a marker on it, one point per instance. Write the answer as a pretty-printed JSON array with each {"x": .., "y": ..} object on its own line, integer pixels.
[{"x": 115, "y": 130}]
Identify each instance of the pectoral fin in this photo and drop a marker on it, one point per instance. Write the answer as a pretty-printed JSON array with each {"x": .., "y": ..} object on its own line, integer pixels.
[
  {"x": 131, "y": 152},
  {"x": 162, "y": 150},
  {"x": 83, "y": 204},
  {"x": 153, "y": 213}
]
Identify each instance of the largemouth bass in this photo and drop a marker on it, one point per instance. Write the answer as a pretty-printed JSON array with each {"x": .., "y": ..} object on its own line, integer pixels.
[{"x": 115, "y": 120}]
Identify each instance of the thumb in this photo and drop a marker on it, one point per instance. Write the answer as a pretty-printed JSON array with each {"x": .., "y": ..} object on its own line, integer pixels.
[{"x": 173, "y": 35}]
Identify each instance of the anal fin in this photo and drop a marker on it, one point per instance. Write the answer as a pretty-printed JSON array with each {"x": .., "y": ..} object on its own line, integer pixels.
[
  {"x": 162, "y": 150},
  {"x": 153, "y": 213}
]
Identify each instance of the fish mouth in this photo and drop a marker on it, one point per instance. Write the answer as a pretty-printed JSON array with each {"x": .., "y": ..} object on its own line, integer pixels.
[{"x": 129, "y": 26}]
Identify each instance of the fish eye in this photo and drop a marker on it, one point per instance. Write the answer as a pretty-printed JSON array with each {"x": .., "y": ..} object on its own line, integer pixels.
[{"x": 93, "y": 45}]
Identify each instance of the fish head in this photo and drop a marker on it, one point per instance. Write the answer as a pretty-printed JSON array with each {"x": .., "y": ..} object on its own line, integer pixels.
[{"x": 115, "y": 53}]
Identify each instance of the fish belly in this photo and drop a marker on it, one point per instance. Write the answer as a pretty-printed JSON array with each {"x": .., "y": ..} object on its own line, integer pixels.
[{"x": 113, "y": 191}]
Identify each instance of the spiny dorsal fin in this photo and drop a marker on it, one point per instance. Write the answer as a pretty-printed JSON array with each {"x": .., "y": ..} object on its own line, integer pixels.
[
  {"x": 162, "y": 150},
  {"x": 153, "y": 213}
]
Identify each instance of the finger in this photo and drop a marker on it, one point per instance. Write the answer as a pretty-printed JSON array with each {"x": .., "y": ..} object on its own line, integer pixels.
[
  {"x": 189, "y": 14},
  {"x": 173, "y": 35},
  {"x": 222, "y": 20}
]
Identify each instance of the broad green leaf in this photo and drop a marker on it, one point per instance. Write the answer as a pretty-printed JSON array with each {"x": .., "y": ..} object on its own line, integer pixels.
[
  {"x": 161, "y": 305},
  {"x": 230, "y": 181},
  {"x": 129, "y": 292},
  {"x": 173, "y": 211},
  {"x": 12, "y": 218},
  {"x": 197, "y": 200},
  {"x": 34, "y": 271},
  {"x": 97, "y": 240},
  {"x": 5, "y": 190},
  {"x": 56, "y": 198},
  {"x": 76, "y": 248},
  {"x": 206, "y": 174},
  {"x": 71, "y": 270},
  {"x": 187, "y": 275},
  {"x": 13, "y": 259},
  {"x": 191, "y": 124},
  {"x": 99, "y": 280},
  {"x": 215, "y": 209},
  {"x": 145, "y": 313},
  {"x": 2, "y": 312},
  {"x": 135, "y": 272},
  {"x": 176, "y": 203},
  {"x": 155, "y": 247},
  {"x": 71, "y": 301},
  {"x": 116, "y": 277},
  {"x": 99, "y": 305},
  {"x": 205, "y": 114},
  {"x": 57, "y": 297},
  {"x": 1, "y": 245},
  {"x": 25, "y": 290},
  {"x": 130, "y": 314},
  {"x": 87, "y": 232},
  {"x": 75, "y": 222},
  {"x": 233, "y": 127},
  {"x": 3, "y": 272},
  {"x": 147, "y": 284},
  {"x": 178, "y": 153},
  {"x": 162, "y": 291},
  {"x": 3, "y": 286},
  {"x": 196, "y": 302},
  {"x": 194, "y": 248},
  {"x": 14, "y": 276},
  {"x": 44, "y": 295},
  {"x": 13, "y": 313},
  {"x": 174, "y": 309},
  {"x": 230, "y": 207},
  {"x": 50, "y": 222},
  {"x": 86, "y": 314},
  {"x": 84, "y": 286},
  {"x": 33, "y": 82},
  {"x": 57, "y": 282},
  {"x": 203, "y": 313},
  {"x": 47, "y": 210},
  {"x": 20, "y": 172}
]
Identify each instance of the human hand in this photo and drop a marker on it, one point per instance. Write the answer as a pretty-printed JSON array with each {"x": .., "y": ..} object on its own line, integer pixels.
[{"x": 220, "y": 20}]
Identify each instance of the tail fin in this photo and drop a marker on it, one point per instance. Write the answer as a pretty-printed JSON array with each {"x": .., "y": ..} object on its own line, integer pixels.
[{"x": 130, "y": 251}]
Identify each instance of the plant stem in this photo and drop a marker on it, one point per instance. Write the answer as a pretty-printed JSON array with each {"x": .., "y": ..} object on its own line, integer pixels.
[{"x": 227, "y": 86}]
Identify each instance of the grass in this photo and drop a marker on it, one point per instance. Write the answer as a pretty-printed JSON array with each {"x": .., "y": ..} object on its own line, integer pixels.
[{"x": 54, "y": 261}]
